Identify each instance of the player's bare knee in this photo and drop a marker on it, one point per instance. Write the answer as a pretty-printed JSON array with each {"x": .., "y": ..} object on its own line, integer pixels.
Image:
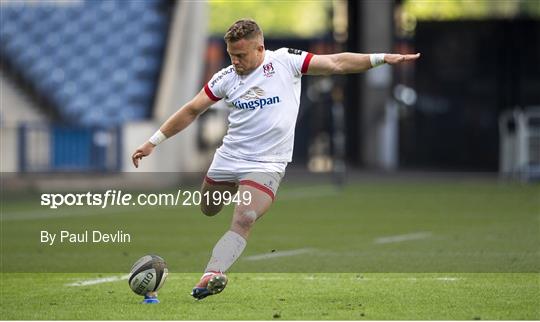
[{"x": 245, "y": 219}]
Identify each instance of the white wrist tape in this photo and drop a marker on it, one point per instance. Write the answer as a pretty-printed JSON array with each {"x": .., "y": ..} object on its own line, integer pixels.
[
  {"x": 157, "y": 138},
  {"x": 376, "y": 59}
]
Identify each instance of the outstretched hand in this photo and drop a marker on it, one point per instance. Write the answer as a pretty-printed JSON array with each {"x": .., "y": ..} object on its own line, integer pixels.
[
  {"x": 393, "y": 59},
  {"x": 141, "y": 152}
]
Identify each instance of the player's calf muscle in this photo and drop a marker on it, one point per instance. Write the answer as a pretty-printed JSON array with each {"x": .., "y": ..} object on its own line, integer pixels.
[{"x": 209, "y": 205}]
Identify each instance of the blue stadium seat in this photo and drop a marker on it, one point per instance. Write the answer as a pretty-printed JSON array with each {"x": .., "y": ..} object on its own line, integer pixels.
[
  {"x": 150, "y": 42},
  {"x": 140, "y": 90},
  {"x": 7, "y": 31},
  {"x": 97, "y": 62}
]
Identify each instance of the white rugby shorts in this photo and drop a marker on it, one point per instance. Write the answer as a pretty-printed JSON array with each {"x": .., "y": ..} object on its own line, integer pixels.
[{"x": 228, "y": 170}]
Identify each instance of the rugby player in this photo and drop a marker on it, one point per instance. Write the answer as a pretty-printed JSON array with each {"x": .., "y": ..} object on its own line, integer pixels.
[{"x": 262, "y": 89}]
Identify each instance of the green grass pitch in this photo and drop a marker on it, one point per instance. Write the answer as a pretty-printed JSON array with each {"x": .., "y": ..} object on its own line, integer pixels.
[
  {"x": 373, "y": 251},
  {"x": 287, "y": 296}
]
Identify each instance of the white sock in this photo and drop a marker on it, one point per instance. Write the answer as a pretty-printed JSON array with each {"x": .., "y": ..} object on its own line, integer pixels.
[{"x": 226, "y": 252}]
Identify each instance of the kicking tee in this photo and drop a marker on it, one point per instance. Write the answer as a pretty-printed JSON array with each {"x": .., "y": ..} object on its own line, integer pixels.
[{"x": 264, "y": 105}]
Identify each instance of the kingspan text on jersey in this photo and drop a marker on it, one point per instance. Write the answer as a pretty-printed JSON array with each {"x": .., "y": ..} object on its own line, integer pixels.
[{"x": 253, "y": 104}]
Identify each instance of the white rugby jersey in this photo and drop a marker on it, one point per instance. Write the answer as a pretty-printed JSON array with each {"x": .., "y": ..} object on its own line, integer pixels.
[{"x": 264, "y": 105}]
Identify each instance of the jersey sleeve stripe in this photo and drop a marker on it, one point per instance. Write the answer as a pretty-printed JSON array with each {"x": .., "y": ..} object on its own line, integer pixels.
[
  {"x": 305, "y": 65},
  {"x": 210, "y": 94}
]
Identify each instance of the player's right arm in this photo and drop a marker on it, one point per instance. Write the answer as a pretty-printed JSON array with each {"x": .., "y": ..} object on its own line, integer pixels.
[
  {"x": 349, "y": 63},
  {"x": 176, "y": 123}
]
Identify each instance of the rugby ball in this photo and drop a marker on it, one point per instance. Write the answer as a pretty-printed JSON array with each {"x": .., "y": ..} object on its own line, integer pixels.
[{"x": 148, "y": 274}]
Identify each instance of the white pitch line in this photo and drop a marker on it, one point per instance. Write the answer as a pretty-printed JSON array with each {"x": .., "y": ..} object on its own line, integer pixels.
[
  {"x": 285, "y": 253},
  {"x": 448, "y": 279},
  {"x": 371, "y": 279},
  {"x": 402, "y": 238},
  {"x": 99, "y": 280}
]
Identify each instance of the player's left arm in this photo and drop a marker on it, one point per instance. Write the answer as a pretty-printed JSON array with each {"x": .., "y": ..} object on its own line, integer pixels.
[{"x": 350, "y": 63}]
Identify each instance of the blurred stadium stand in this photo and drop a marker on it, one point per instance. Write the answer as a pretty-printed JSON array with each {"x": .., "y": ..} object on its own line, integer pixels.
[
  {"x": 86, "y": 81},
  {"x": 47, "y": 148},
  {"x": 470, "y": 73},
  {"x": 96, "y": 63}
]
